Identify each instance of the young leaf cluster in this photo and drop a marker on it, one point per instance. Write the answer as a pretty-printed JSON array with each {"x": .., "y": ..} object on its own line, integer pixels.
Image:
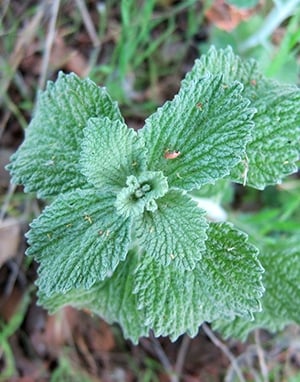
[{"x": 122, "y": 235}]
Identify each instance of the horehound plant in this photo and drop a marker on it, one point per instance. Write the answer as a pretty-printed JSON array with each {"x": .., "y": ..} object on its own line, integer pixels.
[{"x": 123, "y": 235}]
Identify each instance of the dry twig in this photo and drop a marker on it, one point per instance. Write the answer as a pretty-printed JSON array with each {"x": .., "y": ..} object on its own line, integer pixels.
[
  {"x": 181, "y": 355},
  {"x": 88, "y": 22},
  {"x": 225, "y": 350},
  {"x": 163, "y": 358},
  {"x": 49, "y": 42},
  {"x": 26, "y": 37},
  {"x": 261, "y": 357}
]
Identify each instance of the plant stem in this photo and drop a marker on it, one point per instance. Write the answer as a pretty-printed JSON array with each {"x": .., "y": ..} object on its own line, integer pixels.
[{"x": 280, "y": 12}]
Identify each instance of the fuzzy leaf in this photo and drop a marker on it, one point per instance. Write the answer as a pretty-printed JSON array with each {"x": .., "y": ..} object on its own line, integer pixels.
[
  {"x": 225, "y": 283},
  {"x": 201, "y": 135},
  {"x": 281, "y": 301},
  {"x": 110, "y": 153},
  {"x": 112, "y": 299},
  {"x": 225, "y": 62},
  {"x": 47, "y": 161},
  {"x": 141, "y": 193},
  {"x": 175, "y": 232},
  {"x": 274, "y": 149},
  {"x": 78, "y": 240}
]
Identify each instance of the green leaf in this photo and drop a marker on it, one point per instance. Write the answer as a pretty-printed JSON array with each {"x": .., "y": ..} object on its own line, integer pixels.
[
  {"x": 78, "y": 240},
  {"x": 47, "y": 161},
  {"x": 225, "y": 283},
  {"x": 175, "y": 233},
  {"x": 208, "y": 124},
  {"x": 281, "y": 301},
  {"x": 224, "y": 62},
  {"x": 243, "y": 3},
  {"x": 110, "y": 153},
  {"x": 112, "y": 299},
  {"x": 274, "y": 149},
  {"x": 141, "y": 193}
]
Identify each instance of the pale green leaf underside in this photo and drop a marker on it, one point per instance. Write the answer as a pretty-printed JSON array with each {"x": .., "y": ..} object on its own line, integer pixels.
[
  {"x": 78, "y": 240},
  {"x": 221, "y": 192},
  {"x": 209, "y": 123},
  {"x": 274, "y": 149},
  {"x": 175, "y": 233},
  {"x": 112, "y": 299},
  {"x": 110, "y": 153},
  {"x": 281, "y": 301},
  {"x": 175, "y": 302},
  {"x": 47, "y": 161}
]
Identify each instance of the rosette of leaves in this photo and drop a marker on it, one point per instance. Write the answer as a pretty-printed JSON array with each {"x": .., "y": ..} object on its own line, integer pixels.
[{"x": 122, "y": 235}]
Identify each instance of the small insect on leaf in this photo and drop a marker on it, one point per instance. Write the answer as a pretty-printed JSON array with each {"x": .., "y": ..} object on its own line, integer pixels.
[{"x": 171, "y": 154}]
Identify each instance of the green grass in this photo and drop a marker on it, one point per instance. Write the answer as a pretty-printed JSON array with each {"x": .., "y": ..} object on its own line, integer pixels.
[
  {"x": 277, "y": 60},
  {"x": 135, "y": 59},
  {"x": 6, "y": 331},
  {"x": 285, "y": 56}
]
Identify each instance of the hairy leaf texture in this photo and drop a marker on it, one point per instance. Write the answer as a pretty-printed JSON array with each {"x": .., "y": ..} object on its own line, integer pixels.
[
  {"x": 176, "y": 301},
  {"x": 112, "y": 299},
  {"x": 110, "y": 153},
  {"x": 78, "y": 240},
  {"x": 201, "y": 134},
  {"x": 175, "y": 233},
  {"x": 273, "y": 150},
  {"x": 140, "y": 193},
  {"x": 47, "y": 161},
  {"x": 281, "y": 301}
]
